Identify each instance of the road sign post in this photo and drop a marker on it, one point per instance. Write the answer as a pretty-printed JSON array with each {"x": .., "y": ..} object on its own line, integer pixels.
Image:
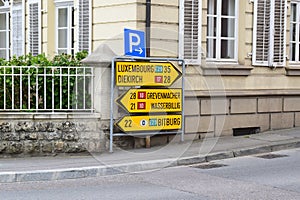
[{"x": 157, "y": 74}]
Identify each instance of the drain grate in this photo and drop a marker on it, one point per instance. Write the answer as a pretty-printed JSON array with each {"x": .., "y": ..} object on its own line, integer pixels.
[
  {"x": 271, "y": 156},
  {"x": 208, "y": 166},
  {"x": 245, "y": 131}
]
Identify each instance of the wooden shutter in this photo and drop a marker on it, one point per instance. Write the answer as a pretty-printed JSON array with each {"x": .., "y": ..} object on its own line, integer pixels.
[
  {"x": 17, "y": 28},
  {"x": 35, "y": 27},
  {"x": 279, "y": 33},
  {"x": 84, "y": 25},
  {"x": 190, "y": 43},
  {"x": 269, "y": 32}
]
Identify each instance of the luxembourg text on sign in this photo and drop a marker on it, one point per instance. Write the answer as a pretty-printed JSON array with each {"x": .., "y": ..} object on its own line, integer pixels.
[
  {"x": 146, "y": 73},
  {"x": 151, "y": 100},
  {"x": 150, "y": 123}
]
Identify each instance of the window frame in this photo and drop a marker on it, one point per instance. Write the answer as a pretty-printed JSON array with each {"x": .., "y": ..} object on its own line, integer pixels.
[
  {"x": 14, "y": 43},
  {"x": 218, "y": 36},
  {"x": 6, "y": 10},
  {"x": 69, "y": 5},
  {"x": 182, "y": 13},
  {"x": 297, "y": 42},
  {"x": 270, "y": 62}
]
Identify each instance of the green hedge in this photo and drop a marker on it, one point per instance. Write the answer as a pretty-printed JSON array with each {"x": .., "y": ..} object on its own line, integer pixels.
[
  {"x": 42, "y": 60},
  {"x": 31, "y": 75}
]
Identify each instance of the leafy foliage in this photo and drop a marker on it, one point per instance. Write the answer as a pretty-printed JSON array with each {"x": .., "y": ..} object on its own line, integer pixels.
[{"x": 43, "y": 84}]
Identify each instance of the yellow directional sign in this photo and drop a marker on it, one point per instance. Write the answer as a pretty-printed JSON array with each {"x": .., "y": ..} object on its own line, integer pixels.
[
  {"x": 130, "y": 73},
  {"x": 150, "y": 123},
  {"x": 151, "y": 100}
]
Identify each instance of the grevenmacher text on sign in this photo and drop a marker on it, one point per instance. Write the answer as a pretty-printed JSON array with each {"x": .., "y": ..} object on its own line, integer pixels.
[{"x": 151, "y": 100}]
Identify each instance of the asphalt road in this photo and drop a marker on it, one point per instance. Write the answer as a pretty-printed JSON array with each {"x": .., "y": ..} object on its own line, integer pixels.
[{"x": 248, "y": 177}]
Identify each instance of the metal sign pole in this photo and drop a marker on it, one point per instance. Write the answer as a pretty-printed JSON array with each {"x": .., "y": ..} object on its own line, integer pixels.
[
  {"x": 183, "y": 101},
  {"x": 112, "y": 105}
]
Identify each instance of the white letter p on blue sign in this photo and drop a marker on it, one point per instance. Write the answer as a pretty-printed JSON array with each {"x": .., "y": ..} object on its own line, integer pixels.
[{"x": 134, "y": 43}]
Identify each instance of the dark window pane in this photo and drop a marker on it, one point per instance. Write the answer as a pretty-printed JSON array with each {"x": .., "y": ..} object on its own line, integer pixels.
[
  {"x": 212, "y": 26},
  {"x": 227, "y": 49},
  {"x": 228, "y": 27},
  {"x": 293, "y": 52},
  {"x": 211, "y": 48},
  {"x": 212, "y": 7},
  {"x": 228, "y": 7}
]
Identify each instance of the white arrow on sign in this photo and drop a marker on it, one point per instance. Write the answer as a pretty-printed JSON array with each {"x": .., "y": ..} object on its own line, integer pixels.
[{"x": 140, "y": 50}]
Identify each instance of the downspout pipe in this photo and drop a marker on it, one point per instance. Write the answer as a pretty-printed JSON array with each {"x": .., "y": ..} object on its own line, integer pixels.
[{"x": 148, "y": 26}]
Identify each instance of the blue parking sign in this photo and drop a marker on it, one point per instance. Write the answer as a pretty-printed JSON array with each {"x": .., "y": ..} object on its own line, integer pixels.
[{"x": 134, "y": 43}]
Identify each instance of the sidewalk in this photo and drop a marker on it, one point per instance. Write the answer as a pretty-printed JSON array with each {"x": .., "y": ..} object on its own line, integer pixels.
[{"x": 126, "y": 161}]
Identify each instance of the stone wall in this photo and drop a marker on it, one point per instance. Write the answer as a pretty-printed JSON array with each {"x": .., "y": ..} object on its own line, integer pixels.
[
  {"x": 37, "y": 134},
  {"x": 221, "y": 115}
]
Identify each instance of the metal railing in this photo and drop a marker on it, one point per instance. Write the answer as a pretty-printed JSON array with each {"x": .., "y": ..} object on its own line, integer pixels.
[{"x": 46, "y": 89}]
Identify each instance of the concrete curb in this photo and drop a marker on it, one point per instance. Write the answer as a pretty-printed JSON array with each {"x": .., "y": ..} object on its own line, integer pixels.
[{"x": 89, "y": 172}]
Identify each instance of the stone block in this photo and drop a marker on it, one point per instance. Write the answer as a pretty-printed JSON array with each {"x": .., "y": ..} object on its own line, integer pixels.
[
  {"x": 192, "y": 106},
  {"x": 199, "y": 124},
  {"x": 10, "y": 136},
  {"x": 139, "y": 143},
  {"x": 214, "y": 106},
  {"x": 5, "y": 127},
  {"x": 191, "y": 160},
  {"x": 159, "y": 140},
  {"x": 47, "y": 147},
  {"x": 29, "y": 135},
  {"x": 74, "y": 147},
  {"x": 282, "y": 120},
  {"x": 24, "y": 126},
  {"x": 44, "y": 127},
  {"x": 53, "y": 136},
  {"x": 225, "y": 123},
  {"x": 59, "y": 146},
  {"x": 3, "y": 146},
  {"x": 70, "y": 136},
  {"x": 267, "y": 105},
  {"x": 252, "y": 151},
  {"x": 86, "y": 126},
  {"x": 297, "y": 119},
  {"x": 245, "y": 105},
  {"x": 219, "y": 156},
  {"x": 15, "y": 148},
  {"x": 291, "y": 104},
  {"x": 31, "y": 147}
]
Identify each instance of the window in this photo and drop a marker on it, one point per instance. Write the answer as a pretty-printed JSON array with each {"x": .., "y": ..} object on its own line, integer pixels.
[
  {"x": 190, "y": 31},
  {"x": 12, "y": 28},
  {"x": 35, "y": 27},
  {"x": 84, "y": 25},
  {"x": 222, "y": 30},
  {"x": 295, "y": 32},
  {"x": 17, "y": 28},
  {"x": 269, "y": 32},
  {"x": 4, "y": 30},
  {"x": 65, "y": 27}
]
